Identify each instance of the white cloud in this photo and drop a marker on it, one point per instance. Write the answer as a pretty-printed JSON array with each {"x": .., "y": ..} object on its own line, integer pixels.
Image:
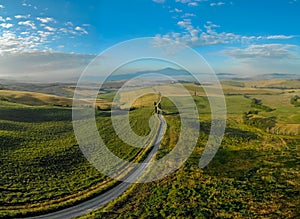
[
  {"x": 22, "y": 16},
  {"x": 216, "y": 4},
  {"x": 69, "y": 23},
  {"x": 10, "y": 43},
  {"x": 188, "y": 15},
  {"x": 159, "y": 1},
  {"x": 2, "y": 6},
  {"x": 185, "y": 23},
  {"x": 6, "y": 25},
  {"x": 45, "y": 20},
  {"x": 43, "y": 66},
  {"x": 195, "y": 36},
  {"x": 190, "y": 2},
  {"x": 177, "y": 10},
  {"x": 26, "y": 4},
  {"x": 2, "y": 19},
  {"x": 209, "y": 35},
  {"x": 50, "y": 28},
  {"x": 183, "y": 1},
  {"x": 193, "y": 4},
  {"x": 265, "y": 51},
  {"x": 279, "y": 37},
  {"x": 263, "y": 58},
  {"x": 29, "y": 33},
  {"x": 44, "y": 34},
  {"x": 28, "y": 23},
  {"x": 64, "y": 30},
  {"x": 80, "y": 29}
]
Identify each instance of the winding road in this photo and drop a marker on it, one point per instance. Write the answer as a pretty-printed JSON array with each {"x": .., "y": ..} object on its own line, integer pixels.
[{"x": 95, "y": 203}]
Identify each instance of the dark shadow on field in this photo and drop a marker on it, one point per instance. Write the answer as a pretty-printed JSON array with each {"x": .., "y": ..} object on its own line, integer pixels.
[
  {"x": 35, "y": 114},
  {"x": 170, "y": 114},
  {"x": 103, "y": 113},
  {"x": 231, "y": 133},
  {"x": 7, "y": 126},
  {"x": 234, "y": 163},
  {"x": 39, "y": 114},
  {"x": 62, "y": 161},
  {"x": 10, "y": 142},
  {"x": 247, "y": 164},
  {"x": 242, "y": 134}
]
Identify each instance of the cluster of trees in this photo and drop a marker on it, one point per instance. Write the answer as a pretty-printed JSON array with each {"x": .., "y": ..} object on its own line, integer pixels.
[
  {"x": 251, "y": 117},
  {"x": 256, "y": 103},
  {"x": 259, "y": 122},
  {"x": 3, "y": 98},
  {"x": 294, "y": 101}
]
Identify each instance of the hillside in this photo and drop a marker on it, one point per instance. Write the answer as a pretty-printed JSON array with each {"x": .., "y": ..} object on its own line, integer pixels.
[{"x": 33, "y": 98}]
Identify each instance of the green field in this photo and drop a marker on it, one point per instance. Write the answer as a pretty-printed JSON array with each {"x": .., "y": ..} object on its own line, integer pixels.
[
  {"x": 41, "y": 164},
  {"x": 255, "y": 174}
]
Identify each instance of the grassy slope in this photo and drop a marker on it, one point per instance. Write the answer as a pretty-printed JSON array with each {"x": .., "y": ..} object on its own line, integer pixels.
[
  {"x": 254, "y": 175},
  {"x": 275, "y": 83},
  {"x": 34, "y": 99},
  {"x": 41, "y": 161}
]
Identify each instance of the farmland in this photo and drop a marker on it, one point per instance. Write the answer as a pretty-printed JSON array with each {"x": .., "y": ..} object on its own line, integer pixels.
[
  {"x": 41, "y": 162},
  {"x": 254, "y": 174}
]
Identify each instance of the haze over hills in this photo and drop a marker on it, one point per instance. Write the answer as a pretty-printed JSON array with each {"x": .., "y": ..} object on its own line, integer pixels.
[
  {"x": 176, "y": 74},
  {"x": 278, "y": 76},
  {"x": 181, "y": 74}
]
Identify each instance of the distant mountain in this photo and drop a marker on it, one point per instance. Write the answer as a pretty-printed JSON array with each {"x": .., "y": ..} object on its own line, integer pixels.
[
  {"x": 226, "y": 75},
  {"x": 166, "y": 71},
  {"x": 258, "y": 77},
  {"x": 278, "y": 76}
]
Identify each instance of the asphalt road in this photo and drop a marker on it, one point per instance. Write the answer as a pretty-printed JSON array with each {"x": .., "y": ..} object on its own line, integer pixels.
[{"x": 113, "y": 193}]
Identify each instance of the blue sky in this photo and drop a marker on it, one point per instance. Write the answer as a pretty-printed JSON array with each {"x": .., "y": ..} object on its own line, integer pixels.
[{"x": 245, "y": 37}]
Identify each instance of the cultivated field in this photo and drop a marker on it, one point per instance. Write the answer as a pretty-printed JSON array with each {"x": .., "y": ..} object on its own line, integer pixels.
[{"x": 255, "y": 174}]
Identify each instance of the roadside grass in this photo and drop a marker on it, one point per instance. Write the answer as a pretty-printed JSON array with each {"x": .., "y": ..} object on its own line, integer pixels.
[
  {"x": 42, "y": 167},
  {"x": 255, "y": 174}
]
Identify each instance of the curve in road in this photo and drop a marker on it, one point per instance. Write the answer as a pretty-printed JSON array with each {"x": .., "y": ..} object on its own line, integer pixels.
[{"x": 95, "y": 203}]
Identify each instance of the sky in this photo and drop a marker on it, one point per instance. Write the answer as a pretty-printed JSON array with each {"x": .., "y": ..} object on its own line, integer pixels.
[{"x": 56, "y": 39}]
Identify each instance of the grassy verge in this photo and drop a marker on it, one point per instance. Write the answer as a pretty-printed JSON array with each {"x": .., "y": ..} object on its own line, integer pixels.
[
  {"x": 42, "y": 167},
  {"x": 255, "y": 174}
]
